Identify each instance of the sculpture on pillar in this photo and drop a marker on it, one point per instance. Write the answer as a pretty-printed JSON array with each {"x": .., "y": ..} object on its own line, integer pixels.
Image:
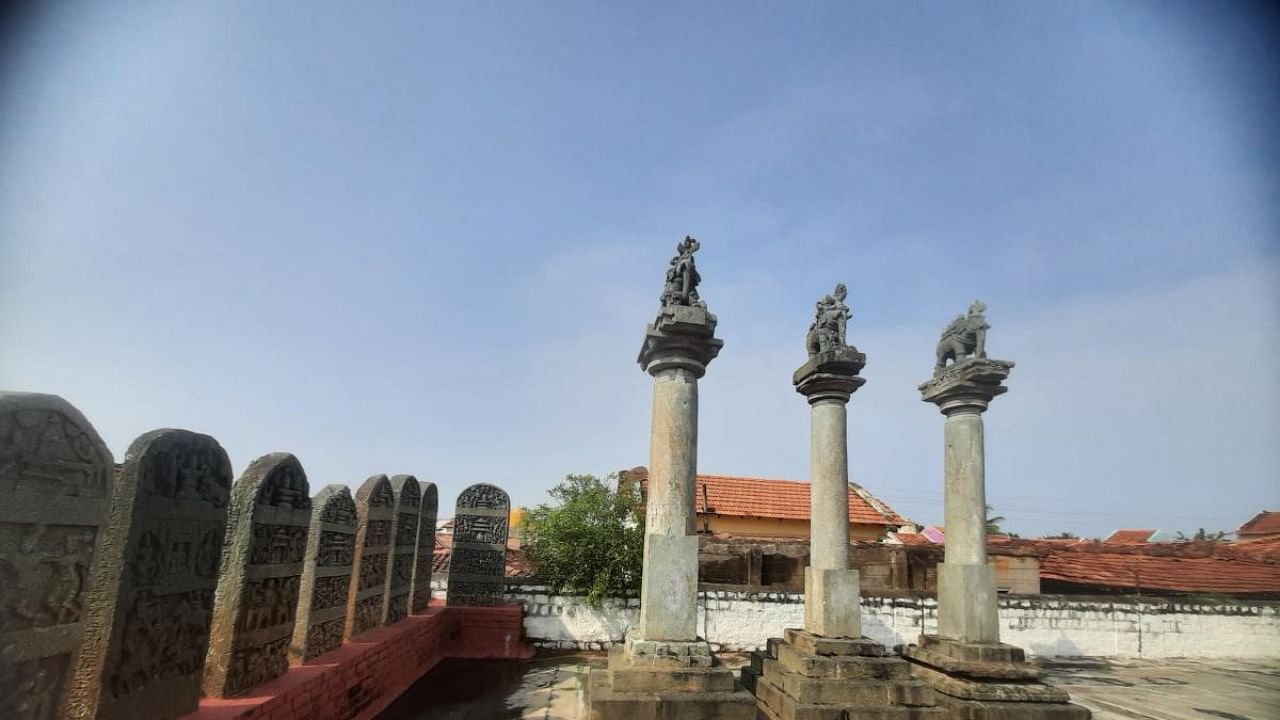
[
  {"x": 827, "y": 333},
  {"x": 964, "y": 338},
  {"x": 682, "y": 277}
]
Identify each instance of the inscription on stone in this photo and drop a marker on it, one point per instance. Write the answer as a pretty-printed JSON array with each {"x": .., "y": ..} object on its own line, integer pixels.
[
  {"x": 375, "y": 510},
  {"x": 477, "y": 569},
  {"x": 150, "y": 601},
  {"x": 408, "y": 502},
  {"x": 420, "y": 593},
  {"x": 55, "y": 485},
  {"x": 326, "y": 575},
  {"x": 260, "y": 576}
]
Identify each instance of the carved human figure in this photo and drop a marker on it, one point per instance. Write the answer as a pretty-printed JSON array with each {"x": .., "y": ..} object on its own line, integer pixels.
[
  {"x": 831, "y": 318},
  {"x": 682, "y": 277},
  {"x": 964, "y": 338}
]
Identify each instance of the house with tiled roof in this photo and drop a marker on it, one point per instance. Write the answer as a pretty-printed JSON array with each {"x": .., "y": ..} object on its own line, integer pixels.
[
  {"x": 1263, "y": 525},
  {"x": 769, "y": 508},
  {"x": 1130, "y": 537}
]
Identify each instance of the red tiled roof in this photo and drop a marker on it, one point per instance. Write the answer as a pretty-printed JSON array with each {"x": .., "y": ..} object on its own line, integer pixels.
[
  {"x": 1129, "y": 536},
  {"x": 1264, "y": 523},
  {"x": 1219, "y": 567},
  {"x": 783, "y": 500}
]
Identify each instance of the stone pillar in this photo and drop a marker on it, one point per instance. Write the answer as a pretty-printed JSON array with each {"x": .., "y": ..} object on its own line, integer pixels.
[
  {"x": 424, "y": 556},
  {"x": 374, "y": 513},
  {"x": 972, "y": 672},
  {"x": 55, "y": 486},
  {"x": 150, "y": 600},
  {"x": 966, "y": 582},
  {"x": 676, "y": 351},
  {"x": 478, "y": 558},
  {"x": 831, "y": 588},
  {"x": 326, "y": 575},
  {"x": 261, "y": 572},
  {"x": 404, "y": 531}
]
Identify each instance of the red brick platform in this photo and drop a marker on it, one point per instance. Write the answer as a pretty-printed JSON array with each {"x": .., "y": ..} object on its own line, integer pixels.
[{"x": 360, "y": 679}]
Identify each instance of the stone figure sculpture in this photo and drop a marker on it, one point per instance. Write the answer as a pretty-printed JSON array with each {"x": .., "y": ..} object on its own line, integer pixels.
[
  {"x": 964, "y": 338},
  {"x": 682, "y": 277},
  {"x": 827, "y": 333}
]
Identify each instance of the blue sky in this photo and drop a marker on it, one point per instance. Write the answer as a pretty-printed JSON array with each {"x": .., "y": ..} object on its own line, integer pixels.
[{"x": 426, "y": 238}]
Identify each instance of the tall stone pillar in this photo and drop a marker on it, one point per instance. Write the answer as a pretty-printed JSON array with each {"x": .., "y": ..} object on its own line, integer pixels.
[
  {"x": 676, "y": 351},
  {"x": 664, "y": 669},
  {"x": 973, "y": 673},
  {"x": 827, "y": 669},
  {"x": 830, "y": 587}
]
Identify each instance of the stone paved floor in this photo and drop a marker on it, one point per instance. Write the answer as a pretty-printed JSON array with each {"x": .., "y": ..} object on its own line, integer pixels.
[{"x": 550, "y": 688}]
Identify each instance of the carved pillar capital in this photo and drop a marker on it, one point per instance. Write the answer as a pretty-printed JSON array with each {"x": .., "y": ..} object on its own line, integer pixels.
[
  {"x": 830, "y": 376},
  {"x": 682, "y": 337},
  {"x": 967, "y": 387}
]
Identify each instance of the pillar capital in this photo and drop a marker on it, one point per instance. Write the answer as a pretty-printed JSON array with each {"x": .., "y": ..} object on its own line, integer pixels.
[
  {"x": 831, "y": 375},
  {"x": 681, "y": 337},
  {"x": 967, "y": 387}
]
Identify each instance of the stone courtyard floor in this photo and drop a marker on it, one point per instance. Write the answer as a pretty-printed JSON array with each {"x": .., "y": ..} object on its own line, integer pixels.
[{"x": 549, "y": 687}]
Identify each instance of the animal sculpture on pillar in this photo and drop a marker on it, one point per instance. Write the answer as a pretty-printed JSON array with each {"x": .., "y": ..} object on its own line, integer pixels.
[{"x": 964, "y": 338}]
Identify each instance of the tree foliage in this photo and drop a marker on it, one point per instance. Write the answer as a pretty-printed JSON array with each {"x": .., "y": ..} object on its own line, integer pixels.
[
  {"x": 592, "y": 541},
  {"x": 993, "y": 522}
]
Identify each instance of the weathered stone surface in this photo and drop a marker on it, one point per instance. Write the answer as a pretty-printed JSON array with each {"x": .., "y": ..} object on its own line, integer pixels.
[
  {"x": 967, "y": 602},
  {"x": 861, "y": 667},
  {"x": 403, "y": 551},
  {"x": 974, "y": 652},
  {"x": 420, "y": 592},
  {"x": 667, "y": 653},
  {"x": 988, "y": 710},
  {"x": 669, "y": 586},
  {"x": 636, "y": 673},
  {"x": 606, "y": 703},
  {"x": 478, "y": 567},
  {"x": 326, "y": 574},
  {"x": 807, "y": 642},
  {"x": 259, "y": 577},
  {"x": 375, "y": 511},
  {"x": 148, "y": 611},
  {"x": 55, "y": 487},
  {"x": 967, "y": 688},
  {"x": 831, "y": 601},
  {"x": 1000, "y": 671}
]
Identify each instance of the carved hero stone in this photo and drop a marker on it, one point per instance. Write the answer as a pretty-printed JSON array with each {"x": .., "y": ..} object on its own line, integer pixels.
[
  {"x": 55, "y": 486},
  {"x": 682, "y": 277},
  {"x": 964, "y": 338}
]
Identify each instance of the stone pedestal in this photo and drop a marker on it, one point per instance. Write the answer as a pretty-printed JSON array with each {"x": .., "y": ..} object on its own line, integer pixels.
[
  {"x": 975, "y": 675},
  {"x": 664, "y": 670}
]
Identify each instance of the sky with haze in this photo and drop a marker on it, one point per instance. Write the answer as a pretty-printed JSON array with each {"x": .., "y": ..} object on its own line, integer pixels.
[{"x": 426, "y": 237}]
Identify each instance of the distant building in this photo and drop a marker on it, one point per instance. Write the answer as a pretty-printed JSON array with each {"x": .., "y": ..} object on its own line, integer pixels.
[
  {"x": 767, "y": 508},
  {"x": 1263, "y": 525},
  {"x": 1130, "y": 537}
]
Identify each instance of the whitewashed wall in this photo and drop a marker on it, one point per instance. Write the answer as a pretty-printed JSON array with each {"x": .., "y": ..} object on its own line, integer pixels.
[{"x": 1042, "y": 625}]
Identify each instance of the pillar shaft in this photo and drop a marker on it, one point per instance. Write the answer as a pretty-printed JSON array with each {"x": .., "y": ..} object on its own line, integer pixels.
[
  {"x": 829, "y": 493},
  {"x": 673, "y": 453},
  {"x": 966, "y": 493}
]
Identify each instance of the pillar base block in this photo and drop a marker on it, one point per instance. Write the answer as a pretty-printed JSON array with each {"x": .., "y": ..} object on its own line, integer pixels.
[
  {"x": 967, "y": 608},
  {"x": 988, "y": 681},
  {"x": 669, "y": 588},
  {"x": 659, "y": 680},
  {"x": 831, "y": 606},
  {"x": 792, "y": 682}
]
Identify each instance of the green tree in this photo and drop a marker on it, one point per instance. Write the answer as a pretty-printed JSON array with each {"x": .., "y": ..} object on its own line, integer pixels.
[
  {"x": 592, "y": 541},
  {"x": 993, "y": 523}
]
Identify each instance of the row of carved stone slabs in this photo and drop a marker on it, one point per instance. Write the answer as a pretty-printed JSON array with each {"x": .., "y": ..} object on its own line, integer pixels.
[{"x": 126, "y": 596}]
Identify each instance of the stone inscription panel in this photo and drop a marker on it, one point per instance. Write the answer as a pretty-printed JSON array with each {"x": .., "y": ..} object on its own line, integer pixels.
[
  {"x": 326, "y": 575},
  {"x": 375, "y": 515},
  {"x": 477, "y": 568},
  {"x": 55, "y": 485},
  {"x": 151, "y": 598},
  {"x": 261, "y": 576}
]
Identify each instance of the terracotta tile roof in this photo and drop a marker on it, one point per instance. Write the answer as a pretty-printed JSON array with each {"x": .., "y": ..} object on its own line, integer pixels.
[
  {"x": 1264, "y": 523},
  {"x": 782, "y": 499},
  {"x": 1221, "y": 567},
  {"x": 1130, "y": 536}
]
